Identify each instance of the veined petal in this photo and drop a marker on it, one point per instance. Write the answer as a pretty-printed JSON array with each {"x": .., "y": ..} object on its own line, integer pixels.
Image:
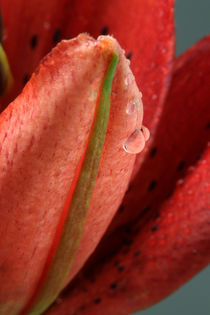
[
  {"x": 144, "y": 28},
  {"x": 182, "y": 133},
  {"x": 162, "y": 248},
  {"x": 43, "y": 137}
]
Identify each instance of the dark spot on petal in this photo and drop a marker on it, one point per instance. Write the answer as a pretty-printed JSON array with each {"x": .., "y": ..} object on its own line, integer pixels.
[
  {"x": 153, "y": 152},
  {"x": 26, "y": 78},
  {"x": 128, "y": 230},
  {"x": 137, "y": 253},
  {"x": 155, "y": 228},
  {"x": 92, "y": 280},
  {"x": 207, "y": 126},
  {"x": 121, "y": 268},
  {"x": 181, "y": 166},
  {"x": 82, "y": 308},
  {"x": 152, "y": 185},
  {"x": 113, "y": 285},
  {"x": 33, "y": 41},
  {"x": 104, "y": 30},
  {"x": 146, "y": 209},
  {"x": 170, "y": 193},
  {"x": 129, "y": 55},
  {"x": 136, "y": 230},
  {"x": 127, "y": 241},
  {"x": 157, "y": 215},
  {"x": 130, "y": 187},
  {"x": 97, "y": 301},
  {"x": 199, "y": 156},
  {"x": 57, "y": 36},
  {"x": 126, "y": 250},
  {"x": 121, "y": 209}
]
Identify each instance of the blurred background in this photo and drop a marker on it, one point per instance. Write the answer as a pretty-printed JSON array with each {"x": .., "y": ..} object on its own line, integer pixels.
[{"x": 192, "y": 23}]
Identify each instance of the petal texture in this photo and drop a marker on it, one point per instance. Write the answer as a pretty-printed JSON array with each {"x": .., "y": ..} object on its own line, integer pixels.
[
  {"x": 166, "y": 246},
  {"x": 43, "y": 134},
  {"x": 144, "y": 28}
]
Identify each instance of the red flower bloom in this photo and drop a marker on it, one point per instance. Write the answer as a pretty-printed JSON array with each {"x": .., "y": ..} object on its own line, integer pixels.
[{"x": 56, "y": 169}]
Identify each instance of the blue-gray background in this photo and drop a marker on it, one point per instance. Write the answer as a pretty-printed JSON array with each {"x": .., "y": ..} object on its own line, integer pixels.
[{"x": 192, "y": 23}]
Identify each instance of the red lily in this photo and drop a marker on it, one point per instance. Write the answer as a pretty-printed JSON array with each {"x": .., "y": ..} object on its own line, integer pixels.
[{"x": 156, "y": 247}]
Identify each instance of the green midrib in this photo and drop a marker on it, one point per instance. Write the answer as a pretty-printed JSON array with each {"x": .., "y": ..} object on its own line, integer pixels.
[{"x": 78, "y": 210}]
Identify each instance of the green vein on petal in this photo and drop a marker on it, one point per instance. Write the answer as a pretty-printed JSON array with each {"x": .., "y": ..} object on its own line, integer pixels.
[{"x": 73, "y": 227}]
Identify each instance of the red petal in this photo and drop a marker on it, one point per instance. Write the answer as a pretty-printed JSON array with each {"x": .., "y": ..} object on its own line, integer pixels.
[
  {"x": 42, "y": 138},
  {"x": 181, "y": 135},
  {"x": 175, "y": 243},
  {"x": 165, "y": 254},
  {"x": 144, "y": 28}
]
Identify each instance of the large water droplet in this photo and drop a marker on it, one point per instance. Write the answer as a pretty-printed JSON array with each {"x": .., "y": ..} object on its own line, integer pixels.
[
  {"x": 133, "y": 106},
  {"x": 135, "y": 143}
]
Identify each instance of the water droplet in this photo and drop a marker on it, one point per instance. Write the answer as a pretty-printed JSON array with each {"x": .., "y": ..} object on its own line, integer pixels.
[
  {"x": 145, "y": 132},
  {"x": 93, "y": 95},
  {"x": 135, "y": 143},
  {"x": 133, "y": 106},
  {"x": 154, "y": 96},
  {"x": 129, "y": 79},
  {"x": 180, "y": 181}
]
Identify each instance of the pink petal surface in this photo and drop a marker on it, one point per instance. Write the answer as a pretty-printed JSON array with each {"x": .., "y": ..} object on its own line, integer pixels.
[
  {"x": 42, "y": 138},
  {"x": 162, "y": 249}
]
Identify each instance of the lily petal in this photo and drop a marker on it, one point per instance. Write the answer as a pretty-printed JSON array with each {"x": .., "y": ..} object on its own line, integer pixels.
[
  {"x": 43, "y": 135},
  {"x": 161, "y": 250},
  {"x": 144, "y": 29},
  {"x": 164, "y": 255},
  {"x": 181, "y": 135}
]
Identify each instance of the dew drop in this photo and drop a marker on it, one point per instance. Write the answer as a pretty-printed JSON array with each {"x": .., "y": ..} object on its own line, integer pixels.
[
  {"x": 135, "y": 142},
  {"x": 133, "y": 106},
  {"x": 129, "y": 79},
  {"x": 180, "y": 182}
]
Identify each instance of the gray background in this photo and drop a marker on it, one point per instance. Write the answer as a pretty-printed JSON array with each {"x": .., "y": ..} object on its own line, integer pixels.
[{"x": 192, "y": 23}]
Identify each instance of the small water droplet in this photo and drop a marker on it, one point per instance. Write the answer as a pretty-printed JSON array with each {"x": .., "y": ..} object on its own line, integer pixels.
[
  {"x": 129, "y": 79},
  {"x": 135, "y": 143},
  {"x": 180, "y": 181},
  {"x": 133, "y": 106},
  {"x": 154, "y": 96},
  {"x": 93, "y": 95}
]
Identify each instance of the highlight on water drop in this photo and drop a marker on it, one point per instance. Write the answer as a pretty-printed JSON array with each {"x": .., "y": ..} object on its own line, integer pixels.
[
  {"x": 135, "y": 142},
  {"x": 133, "y": 106}
]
